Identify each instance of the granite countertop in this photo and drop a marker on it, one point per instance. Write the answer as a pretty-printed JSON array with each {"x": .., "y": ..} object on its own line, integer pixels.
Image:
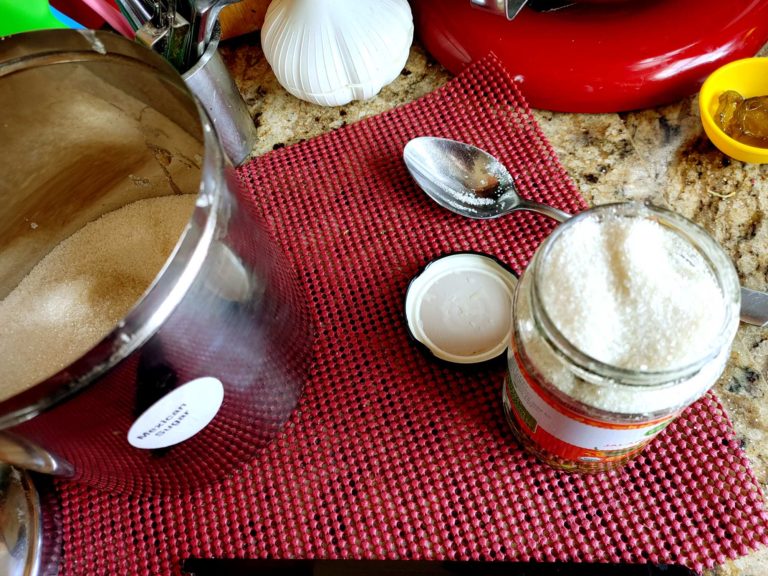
[{"x": 660, "y": 154}]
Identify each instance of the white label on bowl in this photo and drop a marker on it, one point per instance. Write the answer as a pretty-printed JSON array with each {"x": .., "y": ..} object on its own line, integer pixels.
[{"x": 179, "y": 415}]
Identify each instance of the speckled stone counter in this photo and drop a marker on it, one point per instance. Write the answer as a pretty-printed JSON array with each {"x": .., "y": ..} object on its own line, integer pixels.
[{"x": 661, "y": 155}]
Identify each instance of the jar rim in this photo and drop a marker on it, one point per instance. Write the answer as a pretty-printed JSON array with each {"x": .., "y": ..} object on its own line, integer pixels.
[{"x": 718, "y": 261}]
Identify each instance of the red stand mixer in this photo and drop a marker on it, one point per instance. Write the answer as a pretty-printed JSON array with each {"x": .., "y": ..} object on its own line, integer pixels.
[{"x": 596, "y": 55}]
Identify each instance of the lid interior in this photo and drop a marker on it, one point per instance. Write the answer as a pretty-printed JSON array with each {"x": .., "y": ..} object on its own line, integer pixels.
[{"x": 460, "y": 307}]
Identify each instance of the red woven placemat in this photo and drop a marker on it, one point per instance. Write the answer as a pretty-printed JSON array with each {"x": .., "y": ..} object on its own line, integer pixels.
[{"x": 389, "y": 454}]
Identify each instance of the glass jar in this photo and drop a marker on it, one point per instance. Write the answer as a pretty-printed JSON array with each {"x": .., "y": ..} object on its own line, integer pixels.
[{"x": 581, "y": 414}]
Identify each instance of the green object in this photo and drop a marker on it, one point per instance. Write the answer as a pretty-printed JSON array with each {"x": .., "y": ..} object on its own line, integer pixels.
[{"x": 23, "y": 16}]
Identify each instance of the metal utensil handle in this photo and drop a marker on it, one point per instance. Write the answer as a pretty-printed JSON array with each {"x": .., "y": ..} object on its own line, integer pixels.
[
  {"x": 545, "y": 209},
  {"x": 138, "y": 12},
  {"x": 508, "y": 8}
]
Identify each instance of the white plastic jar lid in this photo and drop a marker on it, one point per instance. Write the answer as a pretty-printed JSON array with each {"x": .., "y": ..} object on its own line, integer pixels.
[{"x": 460, "y": 307}]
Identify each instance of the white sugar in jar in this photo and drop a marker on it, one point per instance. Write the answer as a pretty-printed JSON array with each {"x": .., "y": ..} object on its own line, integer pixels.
[{"x": 624, "y": 317}]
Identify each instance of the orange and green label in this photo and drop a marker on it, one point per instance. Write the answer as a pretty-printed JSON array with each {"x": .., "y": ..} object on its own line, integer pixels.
[{"x": 561, "y": 431}]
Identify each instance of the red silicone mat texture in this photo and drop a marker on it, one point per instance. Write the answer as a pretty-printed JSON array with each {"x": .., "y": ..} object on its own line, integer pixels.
[{"x": 390, "y": 454}]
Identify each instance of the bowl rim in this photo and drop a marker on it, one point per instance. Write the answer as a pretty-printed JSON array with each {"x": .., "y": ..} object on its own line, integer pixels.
[{"x": 708, "y": 92}]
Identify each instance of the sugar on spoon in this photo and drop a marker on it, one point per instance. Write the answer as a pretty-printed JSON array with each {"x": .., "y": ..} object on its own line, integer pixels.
[
  {"x": 467, "y": 180},
  {"x": 471, "y": 182}
]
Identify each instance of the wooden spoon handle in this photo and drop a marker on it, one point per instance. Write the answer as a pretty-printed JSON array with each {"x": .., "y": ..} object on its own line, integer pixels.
[{"x": 242, "y": 17}]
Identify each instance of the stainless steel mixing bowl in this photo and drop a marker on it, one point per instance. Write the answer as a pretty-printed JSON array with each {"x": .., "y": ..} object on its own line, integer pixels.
[{"x": 92, "y": 122}]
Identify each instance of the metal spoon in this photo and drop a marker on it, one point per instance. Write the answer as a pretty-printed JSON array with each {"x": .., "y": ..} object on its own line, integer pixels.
[
  {"x": 467, "y": 180},
  {"x": 472, "y": 183}
]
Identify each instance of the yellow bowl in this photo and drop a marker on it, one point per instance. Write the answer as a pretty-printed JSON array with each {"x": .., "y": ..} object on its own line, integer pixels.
[{"x": 748, "y": 77}]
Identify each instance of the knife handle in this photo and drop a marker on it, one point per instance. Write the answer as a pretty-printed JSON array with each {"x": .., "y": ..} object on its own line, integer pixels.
[{"x": 242, "y": 17}]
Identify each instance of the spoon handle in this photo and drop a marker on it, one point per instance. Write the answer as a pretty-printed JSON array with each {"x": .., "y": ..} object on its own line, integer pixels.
[{"x": 551, "y": 211}]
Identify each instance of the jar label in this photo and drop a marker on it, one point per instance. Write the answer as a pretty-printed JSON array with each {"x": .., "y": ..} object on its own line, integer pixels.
[
  {"x": 571, "y": 436},
  {"x": 178, "y": 415}
]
